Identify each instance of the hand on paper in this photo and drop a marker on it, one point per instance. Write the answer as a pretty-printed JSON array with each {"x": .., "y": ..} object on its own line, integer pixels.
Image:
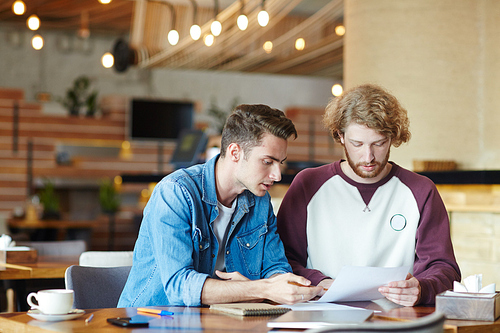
[
  {"x": 405, "y": 292},
  {"x": 290, "y": 289},
  {"x": 326, "y": 283}
]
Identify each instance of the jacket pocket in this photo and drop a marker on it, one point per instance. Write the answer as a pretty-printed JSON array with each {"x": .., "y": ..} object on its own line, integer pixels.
[
  {"x": 201, "y": 249},
  {"x": 251, "y": 245}
]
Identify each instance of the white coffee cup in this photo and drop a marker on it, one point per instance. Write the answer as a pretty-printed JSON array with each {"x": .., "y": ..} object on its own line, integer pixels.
[{"x": 52, "y": 301}]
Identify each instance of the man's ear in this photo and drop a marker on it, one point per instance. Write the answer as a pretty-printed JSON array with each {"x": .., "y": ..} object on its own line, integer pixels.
[
  {"x": 234, "y": 152},
  {"x": 341, "y": 136}
]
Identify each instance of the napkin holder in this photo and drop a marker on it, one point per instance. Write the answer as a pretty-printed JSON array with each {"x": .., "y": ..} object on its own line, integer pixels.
[
  {"x": 21, "y": 256},
  {"x": 469, "y": 306}
]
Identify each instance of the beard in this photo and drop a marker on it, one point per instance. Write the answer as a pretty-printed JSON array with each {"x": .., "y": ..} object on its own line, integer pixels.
[{"x": 357, "y": 167}]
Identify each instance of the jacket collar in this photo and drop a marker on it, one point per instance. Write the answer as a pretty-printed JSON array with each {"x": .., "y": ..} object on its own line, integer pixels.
[{"x": 245, "y": 199}]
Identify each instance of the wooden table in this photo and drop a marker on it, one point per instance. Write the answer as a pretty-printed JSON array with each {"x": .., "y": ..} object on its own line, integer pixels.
[
  {"x": 62, "y": 226},
  {"x": 47, "y": 267},
  {"x": 192, "y": 319}
]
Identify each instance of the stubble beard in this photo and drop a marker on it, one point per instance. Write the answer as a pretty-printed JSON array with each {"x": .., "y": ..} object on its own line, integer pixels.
[{"x": 357, "y": 168}]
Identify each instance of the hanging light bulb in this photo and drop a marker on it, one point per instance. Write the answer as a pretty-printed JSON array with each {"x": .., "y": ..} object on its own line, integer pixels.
[
  {"x": 195, "y": 32},
  {"x": 104, "y": 2},
  {"x": 340, "y": 30},
  {"x": 84, "y": 31},
  {"x": 337, "y": 90},
  {"x": 216, "y": 28},
  {"x": 33, "y": 22},
  {"x": 263, "y": 16},
  {"x": 209, "y": 40},
  {"x": 300, "y": 44},
  {"x": 242, "y": 22},
  {"x": 18, "y": 7},
  {"x": 173, "y": 37},
  {"x": 268, "y": 47},
  {"x": 107, "y": 60},
  {"x": 37, "y": 42}
]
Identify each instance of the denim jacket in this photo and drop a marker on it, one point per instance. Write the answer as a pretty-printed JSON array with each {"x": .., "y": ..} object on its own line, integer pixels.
[{"x": 176, "y": 249}]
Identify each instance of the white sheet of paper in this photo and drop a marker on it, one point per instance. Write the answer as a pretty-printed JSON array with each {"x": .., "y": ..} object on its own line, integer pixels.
[
  {"x": 359, "y": 283},
  {"x": 316, "y": 306}
]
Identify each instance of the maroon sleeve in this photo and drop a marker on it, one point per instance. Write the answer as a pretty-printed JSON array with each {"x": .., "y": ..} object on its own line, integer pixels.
[
  {"x": 292, "y": 219},
  {"x": 435, "y": 266}
]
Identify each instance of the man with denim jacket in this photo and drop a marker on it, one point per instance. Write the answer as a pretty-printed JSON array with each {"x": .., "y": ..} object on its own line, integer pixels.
[{"x": 209, "y": 232}]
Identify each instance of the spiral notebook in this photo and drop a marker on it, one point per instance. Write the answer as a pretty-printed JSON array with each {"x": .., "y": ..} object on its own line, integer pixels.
[{"x": 250, "y": 309}]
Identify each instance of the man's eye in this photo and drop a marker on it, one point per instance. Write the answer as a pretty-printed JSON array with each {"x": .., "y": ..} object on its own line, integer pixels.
[{"x": 268, "y": 162}]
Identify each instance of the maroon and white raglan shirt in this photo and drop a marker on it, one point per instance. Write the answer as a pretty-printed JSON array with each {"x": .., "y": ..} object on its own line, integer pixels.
[{"x": 327, "y": 221}]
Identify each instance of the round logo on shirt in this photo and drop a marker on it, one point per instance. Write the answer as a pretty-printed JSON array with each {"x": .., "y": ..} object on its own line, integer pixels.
[{"x": 398, "y": 222}]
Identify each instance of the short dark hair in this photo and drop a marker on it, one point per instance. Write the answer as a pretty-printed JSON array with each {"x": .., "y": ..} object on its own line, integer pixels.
[
  {"x": 372, "y": 106},
  {"x": 247, "y": 124}
]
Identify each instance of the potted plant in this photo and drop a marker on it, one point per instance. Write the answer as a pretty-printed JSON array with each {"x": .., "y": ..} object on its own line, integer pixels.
[
  {"x": 91, "y": 104},
  {"x": 50, "y": 202},
  {"x": 78, "y": 96},
  {"x": 110, "y": 203},
  {"x": 219, "y": 115},
  {"x": 109, "y": 198}
]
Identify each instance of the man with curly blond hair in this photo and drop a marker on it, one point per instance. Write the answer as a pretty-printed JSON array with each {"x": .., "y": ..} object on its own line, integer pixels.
[{"x": 365, "y": 210}]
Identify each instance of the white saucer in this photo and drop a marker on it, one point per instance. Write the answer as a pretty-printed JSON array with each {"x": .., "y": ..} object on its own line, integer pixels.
[{"x": 55, "y": 317}]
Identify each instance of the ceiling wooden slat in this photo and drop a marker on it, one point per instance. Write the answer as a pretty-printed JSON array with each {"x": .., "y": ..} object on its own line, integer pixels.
[{"x": 234, "y": 50}]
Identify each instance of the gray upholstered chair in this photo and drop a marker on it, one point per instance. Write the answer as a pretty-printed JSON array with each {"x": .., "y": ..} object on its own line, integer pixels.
[
  {"x": 96, "y": 287},
  {"x": 57, "y": 248},
  {"x": 106, "y": 258},
  {"x": 432, "y": 323}
]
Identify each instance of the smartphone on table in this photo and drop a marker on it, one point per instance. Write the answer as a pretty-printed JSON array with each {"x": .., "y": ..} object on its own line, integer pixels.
[{"x": 136, "y": 321}]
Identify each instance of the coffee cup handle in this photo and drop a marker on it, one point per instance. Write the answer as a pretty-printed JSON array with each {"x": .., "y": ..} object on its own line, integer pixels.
[{"x": 30, "y": 302}]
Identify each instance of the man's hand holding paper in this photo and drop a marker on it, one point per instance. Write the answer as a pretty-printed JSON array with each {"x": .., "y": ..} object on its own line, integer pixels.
[{"x": 405, "y": 292}]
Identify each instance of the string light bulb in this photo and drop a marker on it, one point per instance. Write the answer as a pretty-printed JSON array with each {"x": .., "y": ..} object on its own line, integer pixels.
[
  {"x": 107, "y": 60},
  {"x": 18, "y": 7},
  {"x": 268, "y": 47},
  {"x": 300, "y": 44},
  {"x": 209, "y": 40},
  {"x": 216, "y": 28},
  {"x": 195, "y": 32},
  {"x": 33, "y": 22},
  {"x": 242, "y": 22},
  {"x": 37, "y": 42},
  {"x": 104, "y": 2},
  {"x": 263, "y": 18},
  {"x": 173, "y": 37},
  {"x": 340, "y": 30},
  {"x": 337, "y": 90}
]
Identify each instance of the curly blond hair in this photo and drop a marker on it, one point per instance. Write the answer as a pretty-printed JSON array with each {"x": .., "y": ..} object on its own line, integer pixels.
[{"x": 372, "y": 106}]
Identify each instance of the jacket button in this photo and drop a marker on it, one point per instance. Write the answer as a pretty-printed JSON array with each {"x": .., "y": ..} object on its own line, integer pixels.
[
  {"x": 227, "y": 252},
  {"x": 213, "y": 255},
  {"x": 201, "y": 247},
  {"x": 248, "y": 244}
]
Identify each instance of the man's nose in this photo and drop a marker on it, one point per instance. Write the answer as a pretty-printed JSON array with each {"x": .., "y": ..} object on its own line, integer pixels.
[
  {"x": 275, "y": 172},
  {"x": 368, "y": 155}
]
